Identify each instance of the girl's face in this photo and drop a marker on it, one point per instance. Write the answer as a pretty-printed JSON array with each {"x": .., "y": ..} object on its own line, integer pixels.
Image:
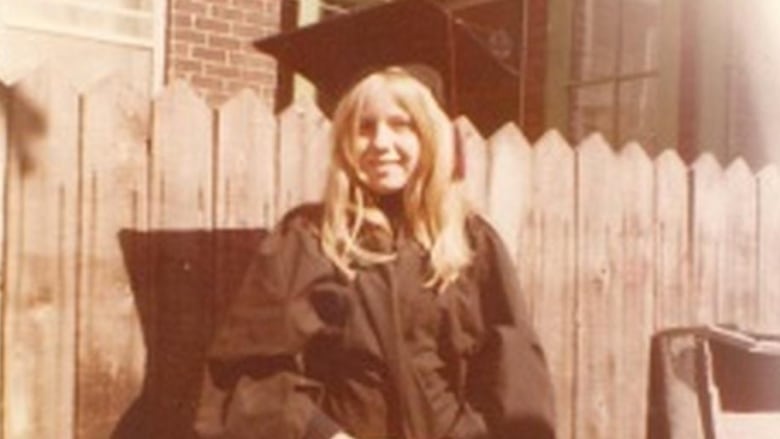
[{"x": 387, "y": 143}]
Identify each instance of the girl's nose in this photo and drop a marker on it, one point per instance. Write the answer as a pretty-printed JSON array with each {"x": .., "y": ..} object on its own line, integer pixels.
[{"x": 383, "y": 136}]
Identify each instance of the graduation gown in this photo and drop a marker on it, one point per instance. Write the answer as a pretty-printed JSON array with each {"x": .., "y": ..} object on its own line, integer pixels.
[{"x": 303, "y": 352}]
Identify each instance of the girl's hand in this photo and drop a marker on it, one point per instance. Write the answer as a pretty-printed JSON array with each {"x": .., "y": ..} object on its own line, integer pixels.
[{"x": 341, "y": 435}]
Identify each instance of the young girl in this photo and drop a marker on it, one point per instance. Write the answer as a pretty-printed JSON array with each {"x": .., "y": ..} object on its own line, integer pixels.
[{"x": 391, "y": 310}]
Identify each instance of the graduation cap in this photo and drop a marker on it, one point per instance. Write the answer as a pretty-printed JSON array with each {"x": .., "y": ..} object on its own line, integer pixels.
[{"x": 336, "y": 51}]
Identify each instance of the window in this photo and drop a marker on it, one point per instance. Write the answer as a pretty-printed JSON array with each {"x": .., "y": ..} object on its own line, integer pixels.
[
  {"x": 614, "y": 79},
  {"x": 135, "y": 24},
  {"x": 119, "y": 21}
]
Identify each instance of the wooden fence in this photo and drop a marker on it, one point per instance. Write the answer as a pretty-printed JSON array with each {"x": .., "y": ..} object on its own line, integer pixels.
[{"x": 128, "y": 222}]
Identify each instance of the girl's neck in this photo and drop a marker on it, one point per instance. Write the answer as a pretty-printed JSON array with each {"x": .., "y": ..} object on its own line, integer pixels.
[{"x": 392, "y": 206}]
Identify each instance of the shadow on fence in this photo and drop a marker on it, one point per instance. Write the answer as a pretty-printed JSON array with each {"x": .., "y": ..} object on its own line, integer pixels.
[
  {"x": 30, "y": 124},
  {"x": 182, "y": 282}
]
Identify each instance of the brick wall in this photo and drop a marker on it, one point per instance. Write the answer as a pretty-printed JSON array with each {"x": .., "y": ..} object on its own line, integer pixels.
[{"x": 209, "y": 45}]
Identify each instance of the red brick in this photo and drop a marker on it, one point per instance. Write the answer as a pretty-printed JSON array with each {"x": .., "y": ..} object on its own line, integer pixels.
[
  {"x": 222, "y": 71},
  {"x": 260, "y": 61},
  {"x": 191, "y": 6},
  {"x": 250, "y": 32},
  {"x": 207, "y": 82},
  {"x": 188, "y": 65},
  {"x": 188, "y": 35},
  {"x": 227, "y": 43},
  {"x": 255, "y": 18},
  {"x": 179, "y": 75},
  {"x": 248, "y": 4},
  {"x": 179, "y": 49},
  {"x": 226, "y": 13},
  {"x": 272, "y": 8},
  {"x": 262, "y": 75},
  {"x": 237, "y": 59},
  {"x": 181, "y": 20},
  {"x": 233, "y": 87},
  {"x": 209, "y": 54},
  {"x": 264, "y": 31},
  {"x": 208, "y": 24}
]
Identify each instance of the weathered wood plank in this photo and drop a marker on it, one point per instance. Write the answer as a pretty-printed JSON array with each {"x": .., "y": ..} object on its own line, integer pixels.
[
  {"x": 181, "y": 164},
  {"x": 5, "y": 114},
  {"x": 599, "y": 297},
  {"x": 475, "y": 156},
  {"x": 707, "y": 241},
  {"x": 769, "y": 249},
  {"x": 634, "y": 269},
  {"x": 739, "y": 300},
  {"x": 183, "y": 259},
  {"x": 41, "y": 246},
  {"x": 316, "y": 154},
  {"x": 245, "y": 182},
  {"x": 246, "y": 159},
  {"x": 115, "y": 131},
  {"x": 302, "y": 149},
  {"x": 552, "y": 225},
  {"x": 673, "y": 305},
  {"x": 509, "y": 183}
]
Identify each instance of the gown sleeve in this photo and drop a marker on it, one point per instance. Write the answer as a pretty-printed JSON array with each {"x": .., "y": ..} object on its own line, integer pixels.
[
  {"x": 507, "y": 380},
  {"x": 254, "y": 386}
]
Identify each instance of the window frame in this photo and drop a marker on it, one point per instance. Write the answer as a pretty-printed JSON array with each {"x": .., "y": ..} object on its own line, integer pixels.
[
  {"x": 155, "y": 42},
  {"x": 560, "y": 84}
]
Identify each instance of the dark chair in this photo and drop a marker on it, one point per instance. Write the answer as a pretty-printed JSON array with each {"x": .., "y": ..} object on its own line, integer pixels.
[
  {"x": 183, "y": 281},
  {"x": 714, "y": 383}
]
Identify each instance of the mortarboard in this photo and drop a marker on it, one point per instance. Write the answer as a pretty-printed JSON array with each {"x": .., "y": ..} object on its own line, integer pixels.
[{"x": 334, "y": 52}]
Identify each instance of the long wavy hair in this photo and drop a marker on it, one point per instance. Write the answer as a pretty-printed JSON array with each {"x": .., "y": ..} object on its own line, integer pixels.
[{"x": 434, "y": 206}]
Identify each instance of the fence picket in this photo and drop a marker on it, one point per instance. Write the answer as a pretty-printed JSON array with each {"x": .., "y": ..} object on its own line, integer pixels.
[
  {"x": 635, "y": 285},
  {"x": 114, "y": 186},
  {"x": 673, "y": 301},
  {"x": 553, "y": 260},
  {"x": 768, "y": 292},
  {"x": 41, "y": 244},
  {"x": 5, "y": 113},
  {"x": 246, "y": 133},
  {"x": 181, "y": 160},
  {"x": 740, "y": 247},
  {"x": 245, "y": 182},
  {"x": 509, "y": 183},
  {"x": 182, "y": 258},
  {"x": 599, "y": 301},
  {"x": 316, "y": 155},
  {"x": 302, "y": 155},
  {"x": 707, "y": 241}
]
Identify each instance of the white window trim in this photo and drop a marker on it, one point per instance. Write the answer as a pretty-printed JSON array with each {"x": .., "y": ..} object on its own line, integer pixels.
[
  {"x": 31, "y": 23},
  {"x": 159, "y": 47},
  {"x": 156, "y": 43}
]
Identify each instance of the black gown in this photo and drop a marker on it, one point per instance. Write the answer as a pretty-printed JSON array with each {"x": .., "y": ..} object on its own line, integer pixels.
[{"x": 304, "y": 352}]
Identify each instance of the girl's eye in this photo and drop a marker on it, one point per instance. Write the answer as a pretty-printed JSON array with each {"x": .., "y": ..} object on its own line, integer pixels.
[
  {"x": 366, "y": 127},
  {"x": 401, "y": 124},
  {"x": 369, "y": 127}
]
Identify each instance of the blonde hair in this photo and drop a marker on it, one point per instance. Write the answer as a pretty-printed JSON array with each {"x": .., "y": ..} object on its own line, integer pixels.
[{"x": 434, "y": 206}]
